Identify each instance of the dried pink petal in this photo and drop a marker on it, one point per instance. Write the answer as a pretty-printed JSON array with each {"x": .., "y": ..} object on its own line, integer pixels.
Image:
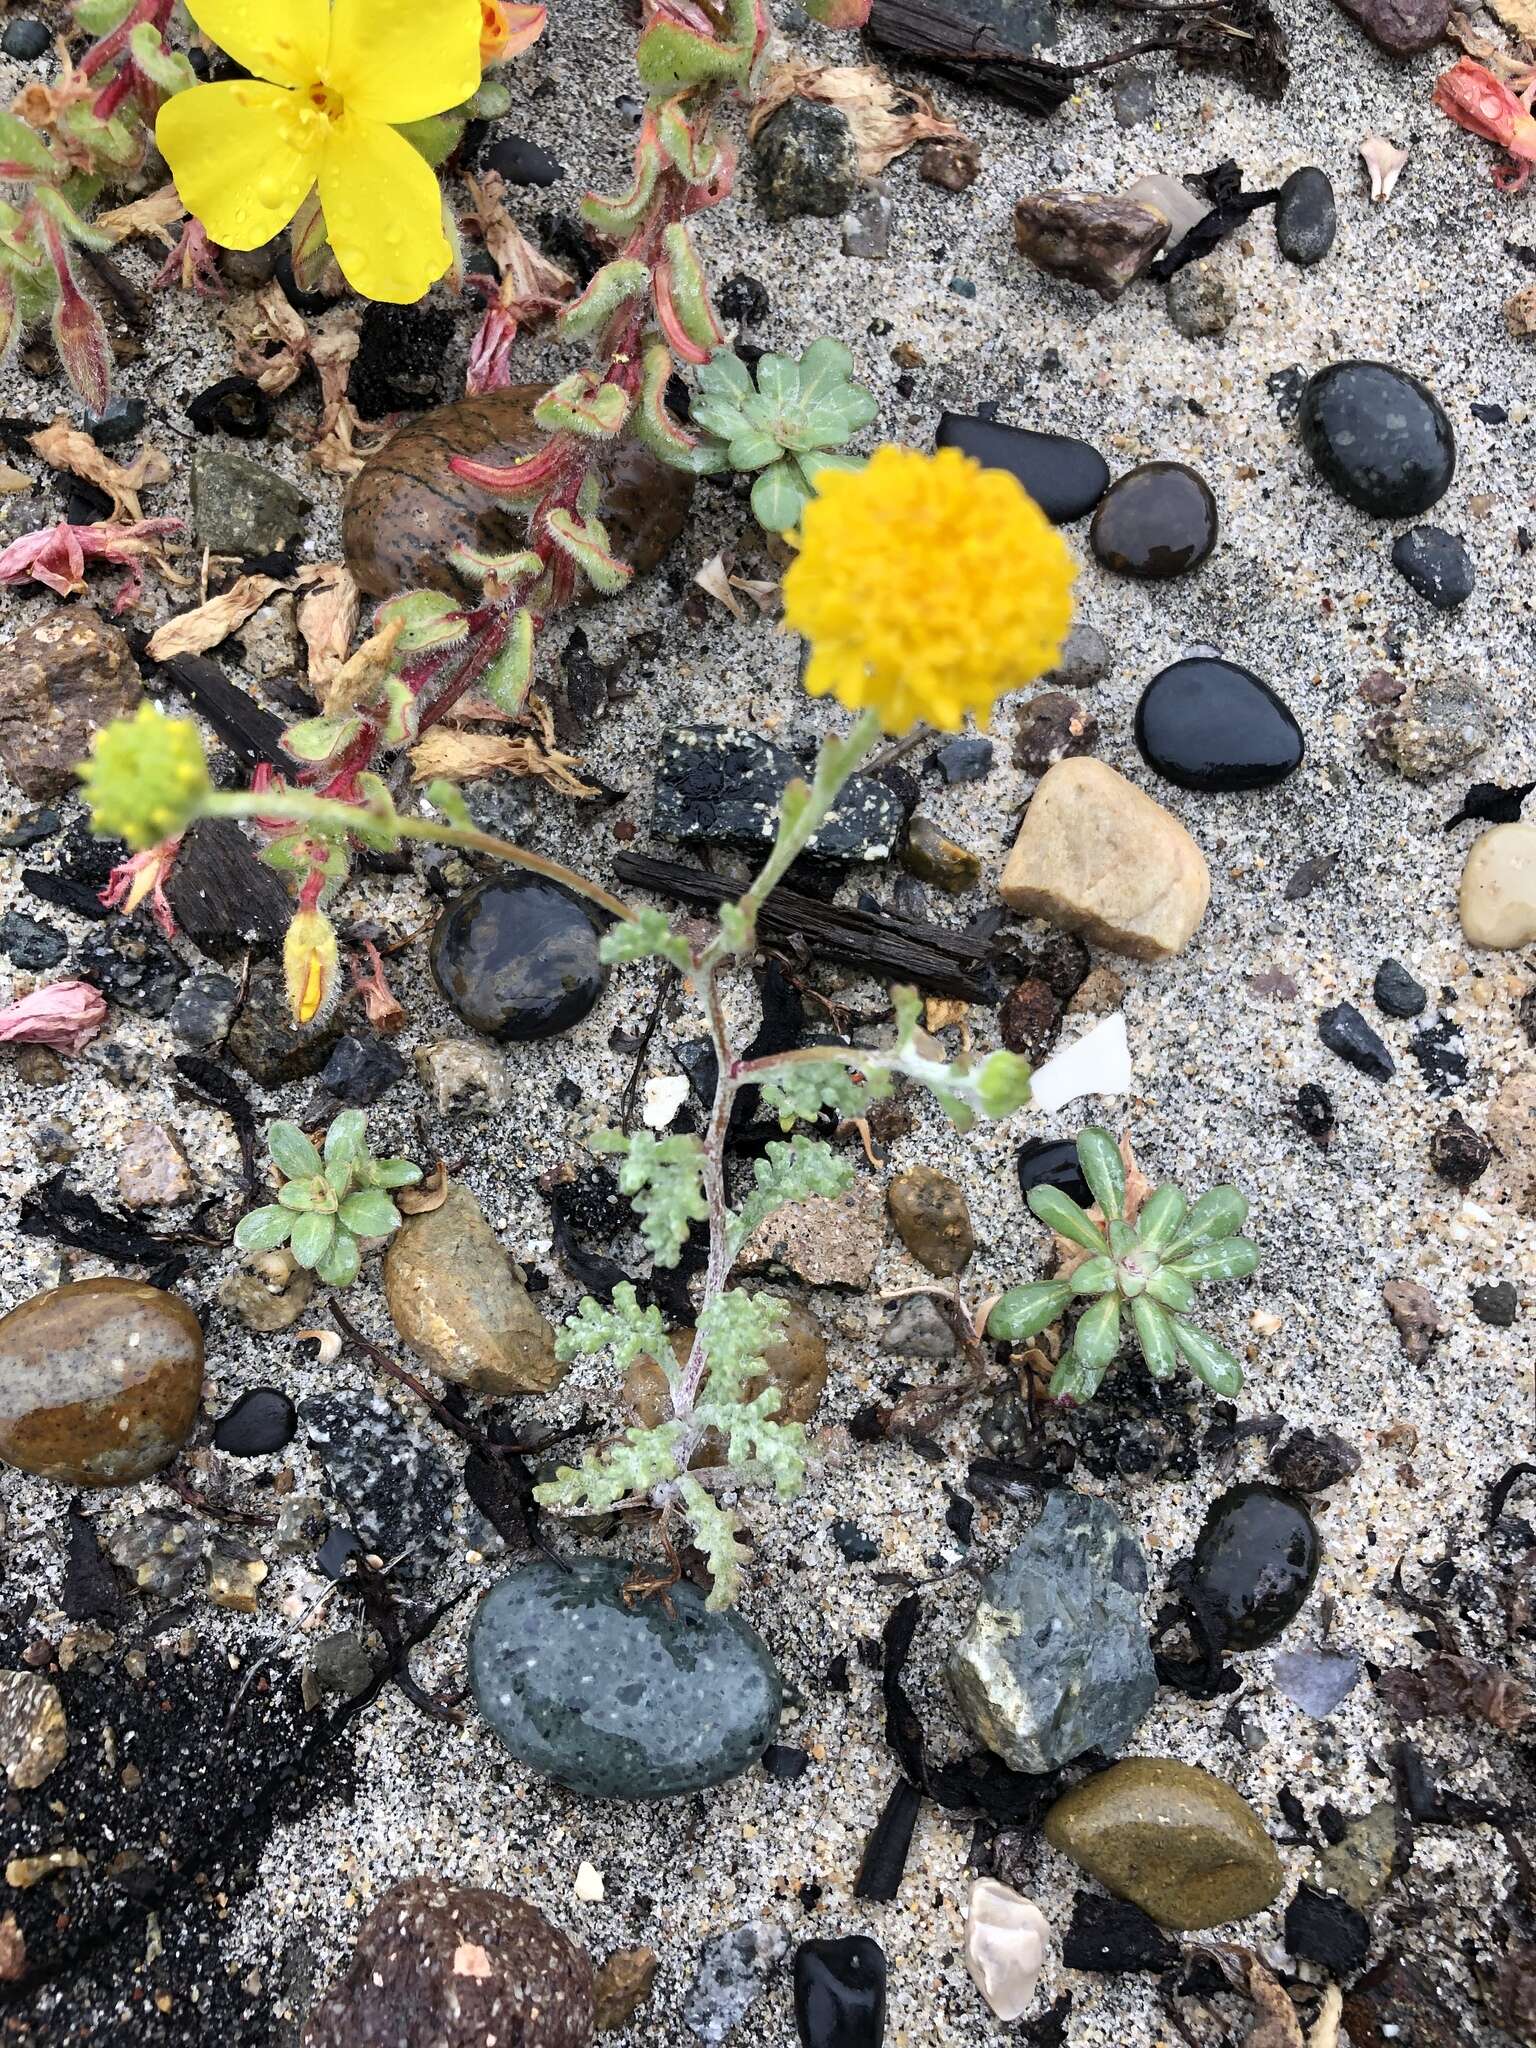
[{"x": 66, "y": 1015}]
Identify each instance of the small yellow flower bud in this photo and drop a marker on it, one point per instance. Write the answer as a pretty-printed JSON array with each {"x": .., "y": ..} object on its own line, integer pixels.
[
  {"x": 146, "y": 779},
  {"x": 309, "y": 964}
]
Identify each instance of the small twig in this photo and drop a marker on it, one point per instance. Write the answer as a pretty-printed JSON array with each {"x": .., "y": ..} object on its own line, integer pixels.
[
  {"x": 666, "y": 982},
  {"x": 464, "y": 1431}
]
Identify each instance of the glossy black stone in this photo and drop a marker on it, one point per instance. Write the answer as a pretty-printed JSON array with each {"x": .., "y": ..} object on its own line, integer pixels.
[
  {"x": 522, "y": 162},
  {"x": 1396, "y": 991},
  {"x": 1254, "y": 1563},
  {"x": 1065, "y": 477},
  {"x": 1378, "y": 437},
  {"x": 361, "y": 1069},
  {"x": 25, "y": 40},
  {"x": 1435, "y": 564},
  {"x": 1344, "y": 1031},
  {"x": 840, "y": 1993},
  {"x": 1211, "y": 725},
  {"x": 1496, "y": 1305},
  {"x": 1156, "y": 521},
  {"x": 517, "y": 958},
  {"x": 1052, "y": 1163},
  {"x": 261, "y": 1421},
  {"x": 1306, "y": 219}
]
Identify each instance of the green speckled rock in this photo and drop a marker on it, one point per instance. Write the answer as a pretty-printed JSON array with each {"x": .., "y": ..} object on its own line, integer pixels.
[
  {"x": 618, "y": 1702},
  {"x": 1172, "y": 1839}
]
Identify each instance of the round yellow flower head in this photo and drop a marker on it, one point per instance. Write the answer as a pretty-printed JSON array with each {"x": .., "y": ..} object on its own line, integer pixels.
[
  {"x": 146, "y": 778},
  {"x": 928, "y": 587},
  {"x": 329, "y": 82}
]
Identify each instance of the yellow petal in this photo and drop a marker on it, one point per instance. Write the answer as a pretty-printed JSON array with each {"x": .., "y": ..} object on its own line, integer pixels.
[
  {"x": 282, "y": 40},
  {"x": 401, "y": 60},
  {"x": 242, "y": 155},
  {"x": 383, "y": 211}
]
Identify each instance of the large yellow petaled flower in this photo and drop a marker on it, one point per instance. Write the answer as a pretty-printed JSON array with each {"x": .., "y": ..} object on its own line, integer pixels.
[
  {"x": 927, "y": 587},
  {"x": 329, "y": 82}
]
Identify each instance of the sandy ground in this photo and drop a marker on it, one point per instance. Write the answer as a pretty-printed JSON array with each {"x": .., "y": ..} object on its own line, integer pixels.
[{"x": 1300, "y": 590}]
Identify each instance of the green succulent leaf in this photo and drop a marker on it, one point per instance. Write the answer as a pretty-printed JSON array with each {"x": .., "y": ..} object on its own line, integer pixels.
[
  {"x": 1171, "y": 1289},
  {"x": 1220, "y": 1212},
  {"x": 779, "y": 495},
  {"x": 312, "y": 1237},
  {"x": 1074, "y": 1380},
  {"x": 342, "y": 1262},
  {"x": 1094, "y": 1276},
  {"x": 346, "y": 1141},
  {"x": 1154, "y": 1334},
  {"x": 506, "y": 681},
  {"x": 291, "y": 1151},
  {"x": 1097, "y": 1336},
  {"x": 1058, "y": 1212},
  {"x": 1228, "y": 1258},
  {"x": 390, "y": 1173},
  {"x": 369, "y": 1213},
  {"x": 263, "y": 1230},
  {"x": 725, "y": 375},
  {"x": 305, "y": 1197},
  {"x": 1161, "y": 1214},
  {"x": 1103, "y": 1169},
  {"x": 1211, "y": 1361},
  {"x": 1024, "y": 1312}
]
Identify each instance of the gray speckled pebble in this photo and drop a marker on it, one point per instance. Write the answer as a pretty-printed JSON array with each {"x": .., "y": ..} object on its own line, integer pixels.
[
  {"x": 733, "y": 1971},
  {"x": 1057, "y": 1660},
  {"x": 618, "y": 1702}
]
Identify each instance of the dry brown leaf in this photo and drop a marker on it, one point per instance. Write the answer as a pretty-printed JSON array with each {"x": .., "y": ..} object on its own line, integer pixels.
[
  {"x": 358, "y": 678},
  {"x": 714, "y": 579},
  {"x": 328, "y": 619},
  {"x": 271, "y": 339},
  {"x": 1277, "y": 2025},
  {"x": 535, "y": 284},
  {"x": 886, "y": 119},
  {"x": 1518, "y": 15},
  {"x": 427, "y": 1194},
  {"x": 155, "y": 216},
  {"x": 14, "y": 481},
  {"x": 1324, "y": 2031},
  {"x": 63, "y": 447},
  {"x": 196, "y": 631},
  {"x": 466, "y": 756}
]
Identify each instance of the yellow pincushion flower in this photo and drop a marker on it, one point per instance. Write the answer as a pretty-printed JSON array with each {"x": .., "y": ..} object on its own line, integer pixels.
[
  {"x": 329, "y": 83},
  {"x": 146, "y": 777},
  {"x": 928, "y": 587}
]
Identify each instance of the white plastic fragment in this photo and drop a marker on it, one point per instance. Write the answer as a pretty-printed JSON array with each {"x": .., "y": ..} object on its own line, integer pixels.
[
  {"x": 1005, "y": 1943},
  {"x": 1098, "y": 1064}
]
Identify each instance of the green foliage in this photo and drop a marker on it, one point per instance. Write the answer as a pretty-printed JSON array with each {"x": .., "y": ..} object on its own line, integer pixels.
[
  {"x": 788, "y": 1173},
  {"x": 735, "y": 1330},
  {"x": 664, "y": 1179},
  {"x": 1149, "y": 1269},
  {"x": 647, "y": 935},
  {"x": 785, "y": 426},
  {"x": 328, "y": 1202}
]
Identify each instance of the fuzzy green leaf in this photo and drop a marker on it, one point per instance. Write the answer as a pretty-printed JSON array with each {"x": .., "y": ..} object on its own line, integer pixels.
[
  {"x": 1058, "y": 1212},
  {"x": 735, "y": 1330},
  {"x": 390, "y": 1173},
  {"x": 725, "y": 375},
  {"x": 291, "y": 1151},
  {"x": 645, "y": 936},
  {"x": 664, "y": 1179},
  {"x": 506, "y": 681},
  {"x": 715, "y": 1532},
  {"x": 792, "y": 1172},
  {"x": 614, "y": 286},
  {"x": 1210, "y": 1361},
  {"x": 779, "y": 495},
  {"x": 625, "y": 1328},
  {"x": 342, "y": 1262},
  {"x": 312, "y": 1237},
  {"x": 643, "y": 1458},
  {"x": 803, "y": 1088},
  {"x": 369, "y": 1213},
  {"x": 346, "y": 1141}
]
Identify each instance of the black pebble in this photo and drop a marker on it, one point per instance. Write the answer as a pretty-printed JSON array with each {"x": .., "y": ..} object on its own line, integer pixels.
[
  {"x": 1111, "y": 1937},
  {"x": 1490, "y": 415},
  {"x": 25, "y": 39},
  {"x": 840, "y": 1993},
  {"x": 742, "y": 300},
  {"x": 1210, "y": 725},
  {"x": 857, "y": 1548},
  {"x": 1314, "y": 1112},
  {"x": 235, "y": 405},
  {"x": 1312, "y": 1460},
  {"x": 1052, "y": 1163},
  {"x": 1156, "y": 521},
  {"x": 1254, "y": 1563},
  {"x": 1378, "y": 437},
  {"x": 401, "y": 355},
  {"x": 361, "y": 1069},
  {"x": 517, "y": 958},
  {"x": 262, "y": 1421},
  {"x": 1435, "y": 564},
  {"x": 967, "y": 759},
  {"x": 1326, "y": 1929},
  {"x": 31, "y": 830},
  {"x": 1306, "y": 219},
  {"x": 1441, "y": 1055},
  {"x": 1065, "y": 477},
  {"x": 123, "y": 418},
  {"x": 1458, "y": 1153},
  {"x": 1344, "y": 1031},
  {"x": 1396, "y": 991},
  {"x": 522, "y": 162},
  {"x": 29, "y": 943},
  {"x": 783, "y": 1760},
  {"x": 1495, "y": 1305}
]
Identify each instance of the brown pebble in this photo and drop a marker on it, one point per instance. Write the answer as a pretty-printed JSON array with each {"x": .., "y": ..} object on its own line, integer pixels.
[
  {"x": 622, "y": 1985},
  {"x": 934, "y": 1221},
  {"x": 1029, "y": 1019},
  {"x": 954, "y": 165},
  {"x": 152, "y": 1169}
]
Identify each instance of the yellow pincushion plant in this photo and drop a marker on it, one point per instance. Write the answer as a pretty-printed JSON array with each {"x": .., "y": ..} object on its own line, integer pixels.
[
  {"x": 331, "y": 83},
  {"x": 928, "y": 587}
]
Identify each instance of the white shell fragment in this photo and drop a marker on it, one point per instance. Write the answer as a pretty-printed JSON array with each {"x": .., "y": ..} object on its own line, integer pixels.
[
  {"x": 662, "y": 1097},
  {"x": 1005, "y": 1942},
  {"x": 1098, "y": 1064},
  {"x": 589, "y": 1884},
  {"x": 1384, "y": 161}
]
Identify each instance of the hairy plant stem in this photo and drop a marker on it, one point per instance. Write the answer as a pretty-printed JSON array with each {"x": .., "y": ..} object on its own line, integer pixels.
[
  {"x": 837, "y": 761},
  {"x": 333, "y": 814}
]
